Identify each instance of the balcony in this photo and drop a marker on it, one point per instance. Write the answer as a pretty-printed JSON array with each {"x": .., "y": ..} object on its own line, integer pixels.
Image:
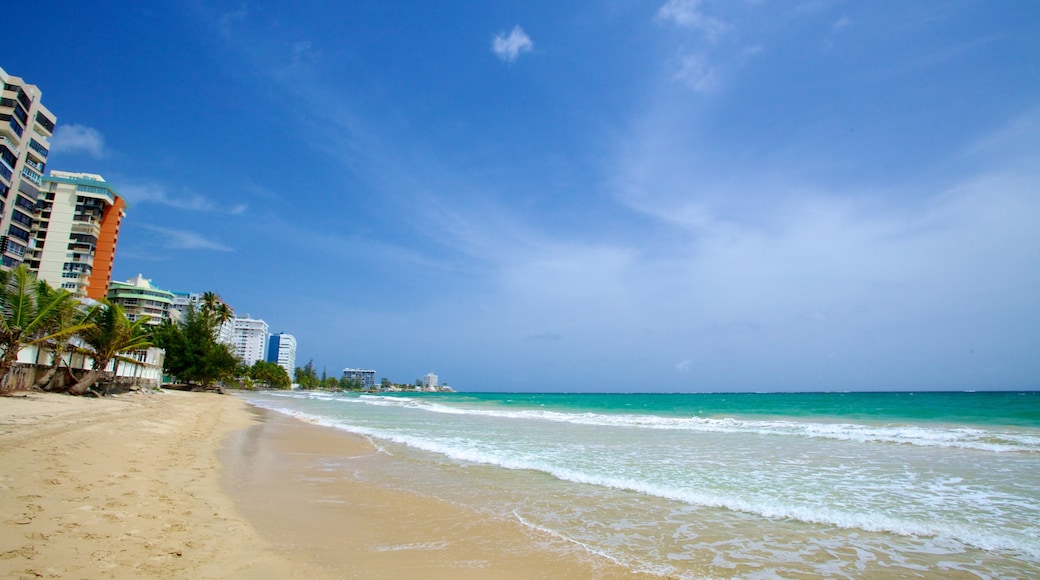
[
  {"x": 92, "y": 229},
  {"x": 35, "y": 146},
  {"x": 32, "y": 175}
]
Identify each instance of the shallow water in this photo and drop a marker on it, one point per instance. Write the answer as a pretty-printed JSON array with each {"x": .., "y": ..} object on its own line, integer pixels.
[{"x": 723, "y": 485}]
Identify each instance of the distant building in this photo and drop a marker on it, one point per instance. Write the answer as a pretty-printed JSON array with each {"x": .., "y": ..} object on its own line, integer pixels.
[
  {"x": 281, "y": 349},
  {"x": 139, "y": 297},
  {"x": 250, "y": 341},
  {"x": 26, "y": 127},
  {"x": 183, "y": 300},
  {"x": 367, "y": 377},
  {"x": 429, "y": 382},
  {"x": 75, "y": 233}
]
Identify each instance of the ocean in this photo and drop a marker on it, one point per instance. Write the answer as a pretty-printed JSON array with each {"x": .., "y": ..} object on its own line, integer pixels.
[{"x": 841, "y": 485}]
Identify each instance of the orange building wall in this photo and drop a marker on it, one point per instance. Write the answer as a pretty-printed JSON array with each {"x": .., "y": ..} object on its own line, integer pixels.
[{"x": 105, "y": 254}]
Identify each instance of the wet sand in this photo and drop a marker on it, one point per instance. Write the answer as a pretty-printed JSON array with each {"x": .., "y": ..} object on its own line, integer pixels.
[
  {"x": 196, "y": 485},
  {"x": 298, "y": 483}
]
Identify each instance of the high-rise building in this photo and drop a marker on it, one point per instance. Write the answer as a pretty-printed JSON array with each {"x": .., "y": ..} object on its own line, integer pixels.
[
  {"x": 281, "y": 349},
  {"x": 75, "y": 234},
  {"x": 139, "y": 297},
  {"x": 430, "y": 381},
  {"x": 26, "y": 127},
  {"x": 250, "y": 339},
  {"x": 367, "y": 377}
]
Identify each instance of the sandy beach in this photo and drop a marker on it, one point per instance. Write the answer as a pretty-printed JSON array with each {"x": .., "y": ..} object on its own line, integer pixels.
[{"x": 193, "y": 485}]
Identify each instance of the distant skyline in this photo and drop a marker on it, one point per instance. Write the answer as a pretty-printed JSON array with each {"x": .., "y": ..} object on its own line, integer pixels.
[{"x": 627, "y": 195}]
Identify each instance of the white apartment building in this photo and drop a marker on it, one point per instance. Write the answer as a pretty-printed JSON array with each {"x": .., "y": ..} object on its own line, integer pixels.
[
  {"x": 429, "y": 382},
  {"x": 75, "y": 234},
  {"x": 281, "y": 349},
  {"x": 366, "y": 376},
  {"x": 26, "y": 127},
  {"x": 250, "y": 339}
]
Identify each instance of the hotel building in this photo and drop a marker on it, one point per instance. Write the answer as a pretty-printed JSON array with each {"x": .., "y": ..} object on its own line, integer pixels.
[
  {"x": 250, "y": 339},
  {"x": 26, "y": 127},
  {"x": 139, "y": 297},
  {"x": 75, "y": 234},
  {"x": 281, "y": 349},
  {"x": 367, "y": 377}
]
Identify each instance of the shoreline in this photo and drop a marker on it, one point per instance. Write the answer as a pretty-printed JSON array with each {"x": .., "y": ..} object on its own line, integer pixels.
[
  {"x": 300, "y": 484},
  {"x": 197, "y": 485}
]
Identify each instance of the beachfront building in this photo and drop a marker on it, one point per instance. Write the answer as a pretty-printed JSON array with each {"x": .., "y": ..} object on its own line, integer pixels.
[
  {"x": 139, "y": 297},
  {"x": 250, "y": 339},
  {"x": 183, "y": 300},
  {"x": 26, "y": 127},
  {"x": 367, "y": 377},
  {"x": 281, "y": 349},
  {"x": 429, "y": 382},
  {"x": 75, "y": 233}
]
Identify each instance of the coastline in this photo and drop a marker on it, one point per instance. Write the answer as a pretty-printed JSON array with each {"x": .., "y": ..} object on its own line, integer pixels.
[
  {"x": 176, "y": 484},
  {"x": 299, "y": 484}
]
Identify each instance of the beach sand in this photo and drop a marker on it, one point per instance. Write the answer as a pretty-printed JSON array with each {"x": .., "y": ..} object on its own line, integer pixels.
[{"x": 197, "y": 485}]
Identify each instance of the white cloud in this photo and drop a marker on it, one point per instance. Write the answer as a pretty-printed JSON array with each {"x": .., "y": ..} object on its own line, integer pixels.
[
  {"x": 186, "y": 240},
  {"x": 697, "y": 73},
  {"x": 509, "y": 48},
  {"x": 687, "y": 14},
  {"x": 78, "y": 139},
  {"x": 184, "y": 199}
]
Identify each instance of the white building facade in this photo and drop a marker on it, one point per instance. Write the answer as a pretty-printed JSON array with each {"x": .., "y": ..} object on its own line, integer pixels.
[
  {"x": 281, "y": 349},
  {"x": 250, "y": 339},
  {"x": 429, "y": 382},
  {"x": 367, "y": 377}
]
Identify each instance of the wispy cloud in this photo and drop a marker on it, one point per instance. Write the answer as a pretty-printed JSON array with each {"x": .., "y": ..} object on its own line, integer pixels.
[
  {"x": 184, "y": 199},
  {"x": 836, "y": 29},
  {"x": 78, "y": 139},
  {"x": 688, "y": 14},
  {"x": 180, "y": 239},
  {"x": 697, "y": 73},
  {"x": 510, "y": 47}
]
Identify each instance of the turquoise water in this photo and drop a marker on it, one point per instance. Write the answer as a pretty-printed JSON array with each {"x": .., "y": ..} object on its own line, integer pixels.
[{"x": 726, "y": 485}]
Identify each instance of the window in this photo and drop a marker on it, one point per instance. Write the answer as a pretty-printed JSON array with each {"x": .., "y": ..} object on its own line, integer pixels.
[
  {"x": 35, "y": 146},
  {"x": 22, "y": 218},
  {"x": 45, "y": 122},
  {"x": 89, "y": 189},
  {"x": 9, "y": 261},
  {"x": 15, "y": 248},
  {"x": 24, "y": 203},
  {"x": 18, "y": 232}
]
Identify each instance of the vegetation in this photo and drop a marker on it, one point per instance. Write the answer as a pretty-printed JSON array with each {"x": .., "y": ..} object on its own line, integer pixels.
[
  {"x": 193, "y": 354},
  {"x": 110, "y": 334},
  {"x": 29, "y": 310},
  {"x": 269, "y": 374}
]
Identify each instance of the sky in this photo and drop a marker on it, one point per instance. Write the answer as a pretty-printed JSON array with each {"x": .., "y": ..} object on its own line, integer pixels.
[{"x": 609, "y": 195}]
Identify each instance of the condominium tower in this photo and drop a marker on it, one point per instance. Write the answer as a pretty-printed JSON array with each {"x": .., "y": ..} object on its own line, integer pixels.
[
  {"x": 250, "y": 339},
  {"x": 139, "y": 297},
  {"x": 26, "y": 127},
  {"x": 77, "y": 227},
  {"x": 281, "y": 349}
]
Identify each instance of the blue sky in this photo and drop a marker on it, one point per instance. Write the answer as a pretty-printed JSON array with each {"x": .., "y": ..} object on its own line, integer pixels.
[{"x": 615, "y": 195}]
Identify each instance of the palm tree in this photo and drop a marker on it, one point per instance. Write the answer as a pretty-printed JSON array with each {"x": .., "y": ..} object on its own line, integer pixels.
[
  {"x": 27, "y": 310},
  {"x": 111, "y": 334},
  {"x": 69, "y": 314}
]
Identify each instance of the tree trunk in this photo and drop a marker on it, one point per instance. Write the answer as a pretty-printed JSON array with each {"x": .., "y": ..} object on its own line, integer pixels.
[
  {"x": 84, "y": 384},
  {"x": 45, "y": 380}
]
